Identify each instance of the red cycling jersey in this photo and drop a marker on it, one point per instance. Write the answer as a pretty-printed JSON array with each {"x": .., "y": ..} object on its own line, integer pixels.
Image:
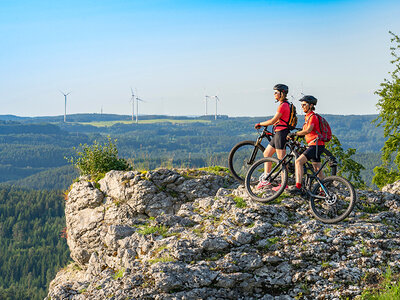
[
  {"x": 284, "y": 109},
  {"x": 311, "y": 118}
]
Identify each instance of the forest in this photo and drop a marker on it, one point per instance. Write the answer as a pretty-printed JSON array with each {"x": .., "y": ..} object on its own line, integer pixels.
[
  {"x": 31, "y": 244},
  {"x": 34, "y": 172},
  {"x": 33, "y": 155}
]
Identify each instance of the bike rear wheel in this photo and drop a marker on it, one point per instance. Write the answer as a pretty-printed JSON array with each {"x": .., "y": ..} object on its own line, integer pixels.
[
  {"x": 277, "y": 177},
  {"x": 339, "y": 205},
  {"x": 240, "y": 158}
]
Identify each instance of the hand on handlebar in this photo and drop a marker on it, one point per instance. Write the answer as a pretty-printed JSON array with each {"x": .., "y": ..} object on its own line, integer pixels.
[
  {"x": 291, "y": 135},
  {"x": 257, "y": 126}
]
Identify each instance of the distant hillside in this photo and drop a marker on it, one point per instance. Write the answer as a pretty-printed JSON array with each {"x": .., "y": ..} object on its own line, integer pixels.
[
  {"x": 51, "y": 179},
  {"x": 99, "y": 117},
  {"x": 31, "y": 146}
]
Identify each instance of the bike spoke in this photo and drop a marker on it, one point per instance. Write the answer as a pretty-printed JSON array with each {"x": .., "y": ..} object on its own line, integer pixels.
[
  {"x": 240, "y": 159},
  {"x": 338, "y": 204},
  {"x": 267, "y": 188}
]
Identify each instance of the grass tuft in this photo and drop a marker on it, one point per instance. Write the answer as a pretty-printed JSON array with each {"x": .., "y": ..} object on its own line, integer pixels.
[{"x": 240, "y": 203}]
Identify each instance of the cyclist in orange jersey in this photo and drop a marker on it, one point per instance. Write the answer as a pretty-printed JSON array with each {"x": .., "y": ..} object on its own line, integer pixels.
[{"x": 315, "y": 146}]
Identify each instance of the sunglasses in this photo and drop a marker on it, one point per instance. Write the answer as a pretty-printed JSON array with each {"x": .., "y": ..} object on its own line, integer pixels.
[
  {"x": 304, "y": 105},
  {"x": 277, "y": 92}
]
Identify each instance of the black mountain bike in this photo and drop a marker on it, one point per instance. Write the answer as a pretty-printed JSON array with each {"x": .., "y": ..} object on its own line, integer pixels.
[
  {"x": 245, "y": 153},
  {"x": 331, "y": 199}
]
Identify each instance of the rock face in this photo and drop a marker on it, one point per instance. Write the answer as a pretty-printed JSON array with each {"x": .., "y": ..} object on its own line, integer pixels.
[{"x": 170, "y": 234}]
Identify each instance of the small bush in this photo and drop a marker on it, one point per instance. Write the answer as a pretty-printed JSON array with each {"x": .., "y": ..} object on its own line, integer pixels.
[{"x": 98, "y": 159}]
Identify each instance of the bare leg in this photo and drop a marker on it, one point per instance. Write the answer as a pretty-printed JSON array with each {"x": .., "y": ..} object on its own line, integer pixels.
[
  {"x": 269, "y": 151},
  {"x": 299, "y": 167},
  {"x": 317, "y": 166}
]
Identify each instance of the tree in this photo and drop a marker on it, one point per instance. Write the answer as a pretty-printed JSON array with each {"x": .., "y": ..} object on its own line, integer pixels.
[
  {"x": 389, "y": 117},
  {"x": 347, "y": 167}
]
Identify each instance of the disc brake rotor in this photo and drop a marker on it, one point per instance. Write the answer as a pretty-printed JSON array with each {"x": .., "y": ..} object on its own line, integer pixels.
[{"x": 331, "y": 200}]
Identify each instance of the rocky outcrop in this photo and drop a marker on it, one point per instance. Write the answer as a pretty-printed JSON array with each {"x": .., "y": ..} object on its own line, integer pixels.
[{"x": 184, "y": 234}]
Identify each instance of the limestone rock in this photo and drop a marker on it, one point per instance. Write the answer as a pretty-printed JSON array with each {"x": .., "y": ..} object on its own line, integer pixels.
[{"x": 180, "y": 234}]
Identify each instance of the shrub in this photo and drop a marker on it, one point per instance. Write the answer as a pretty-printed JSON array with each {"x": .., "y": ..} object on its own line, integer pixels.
[{"x": 98, "y": 159}]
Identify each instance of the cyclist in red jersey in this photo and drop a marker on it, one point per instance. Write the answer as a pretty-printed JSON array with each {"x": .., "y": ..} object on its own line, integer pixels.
[
  {"x": 280, "y": 122},
  {"x": 315, "y": 146}
]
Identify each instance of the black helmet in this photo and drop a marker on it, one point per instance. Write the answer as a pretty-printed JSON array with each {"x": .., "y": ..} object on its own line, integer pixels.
[
  {"x": 309, "y": 99},
  {"x": 282, "y": 88}
]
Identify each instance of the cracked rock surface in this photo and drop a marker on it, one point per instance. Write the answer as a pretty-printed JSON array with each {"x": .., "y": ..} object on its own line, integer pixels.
[{"x": 189, "y": 234}]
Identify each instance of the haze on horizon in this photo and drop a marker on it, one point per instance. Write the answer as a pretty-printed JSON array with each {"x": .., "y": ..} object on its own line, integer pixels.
[{"x": 174, "y": 52}]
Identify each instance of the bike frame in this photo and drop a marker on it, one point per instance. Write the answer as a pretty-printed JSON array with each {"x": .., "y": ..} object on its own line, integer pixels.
[
  {"x": 265, "y": 133},
  {"x": 310, "y": 177},
  {"x": 308, "y": 167}
]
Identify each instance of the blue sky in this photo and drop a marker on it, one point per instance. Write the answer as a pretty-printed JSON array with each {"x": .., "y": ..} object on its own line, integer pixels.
[{"x": 175, "y": 52}]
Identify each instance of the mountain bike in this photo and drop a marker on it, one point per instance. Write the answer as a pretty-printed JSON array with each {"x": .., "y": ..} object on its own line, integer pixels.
[
  {"x": 331, "y": 199},
  {"x": 245, "y": 153}
]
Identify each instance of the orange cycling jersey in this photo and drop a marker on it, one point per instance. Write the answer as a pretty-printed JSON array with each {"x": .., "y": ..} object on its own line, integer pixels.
[{"x": 311, "y": 137}]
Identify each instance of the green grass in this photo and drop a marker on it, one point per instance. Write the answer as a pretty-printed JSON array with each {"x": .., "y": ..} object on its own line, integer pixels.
[
  {"x": 271, "y": 242},
  {"x": 324, "y": 264},
  {"x": 278, "y": 200},
  {"x": 147, "y": 229},
  {"x": 217, "y": 170},
  {"x": 240, "y": 203},
  {"x": 372, "y": 208},
  {"x": 119, "y": 274},
  {"x": 387, "y": 289},
  {"x": 163, "y": 259}
]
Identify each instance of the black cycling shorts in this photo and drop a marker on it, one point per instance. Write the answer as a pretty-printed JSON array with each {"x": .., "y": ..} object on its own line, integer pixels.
[
  {"x": 311, "y": 153},
  {"x": 279, "y": 139}
]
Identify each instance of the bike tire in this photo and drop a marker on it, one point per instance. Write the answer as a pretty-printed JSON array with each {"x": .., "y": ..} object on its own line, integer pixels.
[
  {"x": 238, "y": 159},
  {"x": 341, "y": 204},
  {"x": 266, "y": 194}
]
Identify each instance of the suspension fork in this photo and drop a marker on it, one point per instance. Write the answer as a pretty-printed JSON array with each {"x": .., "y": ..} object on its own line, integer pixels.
[{"x": 254, "y": 154}]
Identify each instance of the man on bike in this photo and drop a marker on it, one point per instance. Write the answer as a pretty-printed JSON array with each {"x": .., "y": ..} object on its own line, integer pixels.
[
  {"x": 315, "y": 147},
  {"x": 280, "y": 122}
]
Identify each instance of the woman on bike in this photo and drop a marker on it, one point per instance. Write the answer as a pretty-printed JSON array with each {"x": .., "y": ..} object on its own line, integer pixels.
[
  {"x": 315, "y": 146},
  {"x": 280, "y": 122}
]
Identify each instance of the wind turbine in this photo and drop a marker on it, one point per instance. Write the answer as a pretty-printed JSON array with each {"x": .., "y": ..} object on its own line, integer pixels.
[
  {"x": 206, "y": 99},
  {"x": 137, "y": 107},
  {"x": 65, "y": 104},
  {"x": 133, "y": 104},
  {"x": 216, "y": 106}
]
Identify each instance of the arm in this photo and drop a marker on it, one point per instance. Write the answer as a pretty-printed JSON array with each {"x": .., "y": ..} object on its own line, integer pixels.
[
  {"x": 272, "y": 121},
  {"x": 307, "y": 129}
]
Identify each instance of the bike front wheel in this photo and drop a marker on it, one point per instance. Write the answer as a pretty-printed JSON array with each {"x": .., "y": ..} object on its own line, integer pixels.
[
  {"x": 275, "y": 182},
  {"x": 242, "y": 156},
  {"x": 338, "y": 205}
]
